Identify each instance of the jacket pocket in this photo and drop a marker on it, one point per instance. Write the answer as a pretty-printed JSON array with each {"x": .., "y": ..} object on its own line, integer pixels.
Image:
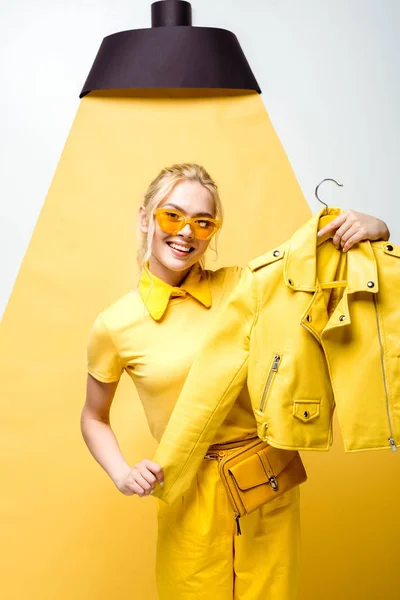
[
  {"x": 270, "y": 378},
  {"x": 306, "y": 409}
]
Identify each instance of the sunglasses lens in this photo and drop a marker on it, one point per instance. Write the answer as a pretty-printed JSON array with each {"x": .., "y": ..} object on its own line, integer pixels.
[
  {"x": 204, "y": 229},
  {"x": 169, "y": 222}
]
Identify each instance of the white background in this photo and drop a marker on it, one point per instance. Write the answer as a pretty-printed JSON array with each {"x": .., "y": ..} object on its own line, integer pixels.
[{"x": 329, "y": 71}]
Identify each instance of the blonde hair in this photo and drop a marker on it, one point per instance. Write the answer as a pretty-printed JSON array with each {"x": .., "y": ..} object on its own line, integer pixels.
[{"x": 159, "y": 189}]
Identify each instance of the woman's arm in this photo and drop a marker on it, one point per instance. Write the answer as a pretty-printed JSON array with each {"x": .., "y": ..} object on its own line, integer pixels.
[
  {"x": 352, "y": 227},
  {"x": 103, "y": 445}
]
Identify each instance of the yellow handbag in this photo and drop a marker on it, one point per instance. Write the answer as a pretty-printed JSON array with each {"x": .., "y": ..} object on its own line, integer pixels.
[{"x": 256, "y": 473}]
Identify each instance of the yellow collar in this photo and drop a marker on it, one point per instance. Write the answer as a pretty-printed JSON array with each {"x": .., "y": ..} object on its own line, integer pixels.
[
  {"x": 156, "y": 293},
  {"x": 300, "y": 261}
]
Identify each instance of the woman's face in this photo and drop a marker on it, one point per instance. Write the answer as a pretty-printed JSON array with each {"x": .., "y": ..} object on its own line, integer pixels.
[{"x": 178, "y": 252}]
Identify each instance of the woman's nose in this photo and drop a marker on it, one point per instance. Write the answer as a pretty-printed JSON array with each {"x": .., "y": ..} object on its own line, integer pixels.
[{"x": 187, "y": 231}]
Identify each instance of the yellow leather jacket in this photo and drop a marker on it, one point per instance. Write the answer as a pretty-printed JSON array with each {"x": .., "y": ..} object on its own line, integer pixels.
[{"x": 307, "y": 328}]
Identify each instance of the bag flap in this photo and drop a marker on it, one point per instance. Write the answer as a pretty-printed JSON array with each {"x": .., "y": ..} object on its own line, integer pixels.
[
  {"x": 249, "y": 473},
  {"x": 258, "y": 468},
  {"x": 276, "y": 459}
]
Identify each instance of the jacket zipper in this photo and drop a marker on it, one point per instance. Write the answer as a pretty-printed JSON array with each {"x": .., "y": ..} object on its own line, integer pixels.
[
  {"x": 391, "y": 438},
  {"x": 272, "y": 371}
]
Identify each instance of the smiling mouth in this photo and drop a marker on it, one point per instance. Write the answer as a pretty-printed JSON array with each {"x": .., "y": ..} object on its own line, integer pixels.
[{"x": 180, "y": 248}]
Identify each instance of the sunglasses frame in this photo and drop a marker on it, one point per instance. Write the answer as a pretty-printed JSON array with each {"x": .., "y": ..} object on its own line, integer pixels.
[{"x": 186, "y": 220}]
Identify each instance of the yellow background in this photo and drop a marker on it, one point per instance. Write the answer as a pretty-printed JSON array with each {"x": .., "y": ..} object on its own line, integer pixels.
[{"x": 66, "y": 531}]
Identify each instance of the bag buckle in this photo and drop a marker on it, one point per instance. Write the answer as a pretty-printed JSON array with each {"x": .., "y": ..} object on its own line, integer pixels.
[{"x": 274, "y": 483}]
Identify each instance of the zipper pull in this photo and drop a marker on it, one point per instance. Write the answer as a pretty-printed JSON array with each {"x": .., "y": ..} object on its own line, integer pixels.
[
  {"x": 393, "y": 444},
  {"x": 211, "y": 457},
  {"x": 216, "y": 456},
  {"x": 238, "y": 530},
  {"x": 275, "y": 365}
]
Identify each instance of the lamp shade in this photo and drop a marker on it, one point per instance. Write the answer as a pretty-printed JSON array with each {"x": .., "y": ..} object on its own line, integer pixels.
[{"x": 171, "y": 54}]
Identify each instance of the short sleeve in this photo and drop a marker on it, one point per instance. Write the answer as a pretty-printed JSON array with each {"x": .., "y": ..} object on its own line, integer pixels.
[{"x": 103, "y": 361}]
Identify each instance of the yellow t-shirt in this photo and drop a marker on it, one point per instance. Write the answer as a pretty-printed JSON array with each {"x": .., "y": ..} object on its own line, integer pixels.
[{"x": 154, "y": 333}]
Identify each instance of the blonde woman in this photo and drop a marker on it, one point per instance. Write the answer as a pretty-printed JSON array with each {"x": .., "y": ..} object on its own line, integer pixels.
[{"x": 153, "y": 333}]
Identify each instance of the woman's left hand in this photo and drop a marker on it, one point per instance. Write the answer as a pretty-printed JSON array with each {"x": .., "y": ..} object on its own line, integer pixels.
[{"x": 352, "y": 227}]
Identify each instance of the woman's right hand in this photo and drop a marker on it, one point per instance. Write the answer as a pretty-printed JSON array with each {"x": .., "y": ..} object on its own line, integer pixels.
[{"x": 141, "y": 479}]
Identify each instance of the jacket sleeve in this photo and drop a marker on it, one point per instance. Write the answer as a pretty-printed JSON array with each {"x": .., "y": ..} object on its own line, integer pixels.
[{"x": 215, "y": 380}]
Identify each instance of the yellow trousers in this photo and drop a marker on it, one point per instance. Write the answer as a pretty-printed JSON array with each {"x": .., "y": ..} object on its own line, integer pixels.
[{"x": 200, "y": 557}]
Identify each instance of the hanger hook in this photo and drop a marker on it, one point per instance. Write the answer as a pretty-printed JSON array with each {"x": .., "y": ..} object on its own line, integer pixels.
[{"x": 316, "y": 191}]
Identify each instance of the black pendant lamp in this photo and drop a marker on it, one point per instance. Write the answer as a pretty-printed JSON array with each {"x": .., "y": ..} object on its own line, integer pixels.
[{"x": 172, "y": 54}]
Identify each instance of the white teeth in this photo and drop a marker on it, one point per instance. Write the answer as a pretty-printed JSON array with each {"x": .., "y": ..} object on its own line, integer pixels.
[{"x": 181, "y": 248}]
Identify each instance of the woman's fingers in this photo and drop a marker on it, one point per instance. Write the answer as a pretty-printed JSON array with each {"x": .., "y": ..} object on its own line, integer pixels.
[
  {"x": 136, "y": 484},
  {"x": 354, "y": 238},
  {"x": 339, "y": 233},
  {"x": 142, "y": 479},
  {"x": 136, "y": 489},
  {"x": 333, "y": 225},
  {"x": 345, "y": 227},
  {"x": 146, "y": 474},
  {"x": 156, "y": 469},
  {"x": 350, "y": 222}
]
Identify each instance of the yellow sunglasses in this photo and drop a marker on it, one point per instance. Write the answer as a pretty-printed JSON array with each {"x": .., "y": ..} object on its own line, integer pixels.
[{"x": 172, "y": 221}]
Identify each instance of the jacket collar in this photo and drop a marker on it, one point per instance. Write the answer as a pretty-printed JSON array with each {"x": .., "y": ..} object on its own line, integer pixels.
[
  {"x": 156, "y": 293},
  {"x": 300, "y": 261}
]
